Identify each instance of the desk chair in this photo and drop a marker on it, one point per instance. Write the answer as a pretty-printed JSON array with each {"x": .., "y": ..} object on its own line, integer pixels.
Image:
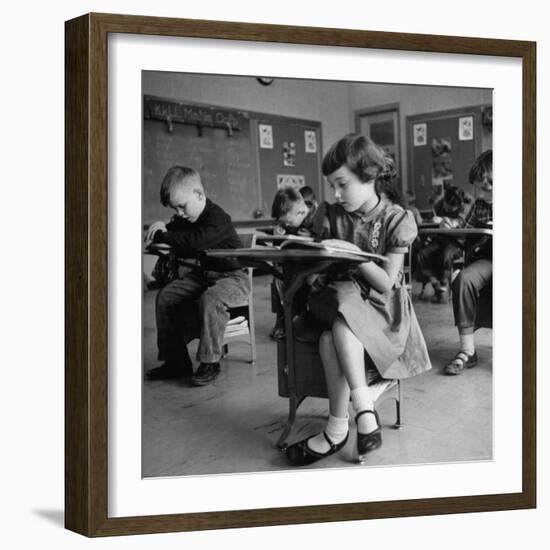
[
  {"x": 244, "y": 331},
  {"x": 408, "y": 269}
]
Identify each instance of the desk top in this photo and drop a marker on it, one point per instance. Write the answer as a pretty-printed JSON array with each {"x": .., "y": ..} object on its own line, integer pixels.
[
  {"x": 464, "y": 232},
  {"x": 265, "y": 238},
  {"x": 286, "y": 255}
]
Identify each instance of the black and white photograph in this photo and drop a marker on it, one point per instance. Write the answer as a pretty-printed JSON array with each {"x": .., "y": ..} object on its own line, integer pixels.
[{"x": 317, "y": 274}]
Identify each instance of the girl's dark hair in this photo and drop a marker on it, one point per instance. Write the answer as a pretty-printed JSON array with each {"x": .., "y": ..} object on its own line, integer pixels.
[
  {"x": 175, "y": 175},
  {"x": 454, "y": 197},
  {"x": 482, "y": 165},
  {"x": 362, "y": 156},
  {"x": 307, "y": 192},
  {"x": 388, "y": 187},
  {"x": 284, "y": 200}
]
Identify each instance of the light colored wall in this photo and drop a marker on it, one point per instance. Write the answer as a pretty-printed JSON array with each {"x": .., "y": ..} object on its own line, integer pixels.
[
  {"x": 331, "y": 103},
  {"x": 326, "y": 102},
  {"x": 414, "y": 100}
]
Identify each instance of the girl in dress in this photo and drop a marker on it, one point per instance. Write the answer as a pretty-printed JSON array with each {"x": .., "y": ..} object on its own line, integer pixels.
[{"x": 365, "y": 316}]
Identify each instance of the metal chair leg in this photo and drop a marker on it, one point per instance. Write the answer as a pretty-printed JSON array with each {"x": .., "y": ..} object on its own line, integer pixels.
[
  {"x": 281, "y": 443},
  {"x": 398, "y": 425}
]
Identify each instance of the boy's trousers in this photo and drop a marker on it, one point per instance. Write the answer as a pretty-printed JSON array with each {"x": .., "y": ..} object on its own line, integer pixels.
[
  {"x": 467, "y": 286},
  {"x": 196, "y": 306}
]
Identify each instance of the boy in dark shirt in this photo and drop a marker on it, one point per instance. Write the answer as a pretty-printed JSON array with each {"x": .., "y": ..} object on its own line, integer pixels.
[
  {"x": 295, "y": 215},
  {"x": 216, "y": 284}
]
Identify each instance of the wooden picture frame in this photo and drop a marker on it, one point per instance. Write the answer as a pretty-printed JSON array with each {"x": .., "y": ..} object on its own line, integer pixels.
[{"x": 86, "y": 280}]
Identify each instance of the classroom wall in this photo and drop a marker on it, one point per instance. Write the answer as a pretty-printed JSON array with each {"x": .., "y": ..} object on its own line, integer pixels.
[
  {"x": 415, "y": 100},
  {"x": 328, "y": 103},
  {"x": 332, "y": 103}
]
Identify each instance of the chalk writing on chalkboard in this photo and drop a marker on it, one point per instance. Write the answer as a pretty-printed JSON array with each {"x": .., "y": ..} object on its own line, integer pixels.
[
  {"x": 226, "y": 163},
  {"x": 171, "y": 111}
]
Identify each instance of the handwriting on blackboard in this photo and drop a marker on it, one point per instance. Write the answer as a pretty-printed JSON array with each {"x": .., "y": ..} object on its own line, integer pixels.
[{"x": 172, "y": 111}]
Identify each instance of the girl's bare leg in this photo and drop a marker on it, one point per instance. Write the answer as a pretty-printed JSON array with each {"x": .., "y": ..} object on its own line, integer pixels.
[
  {"x": 351, "y": 355},
  {"x": 338, "y": 393}
]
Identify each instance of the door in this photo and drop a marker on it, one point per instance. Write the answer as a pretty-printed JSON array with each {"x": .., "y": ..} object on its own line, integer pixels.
[{"x": 381, "y": 124}]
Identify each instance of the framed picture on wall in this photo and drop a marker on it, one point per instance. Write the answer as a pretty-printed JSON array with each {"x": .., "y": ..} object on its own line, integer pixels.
[{"x": 113, "y": 425}]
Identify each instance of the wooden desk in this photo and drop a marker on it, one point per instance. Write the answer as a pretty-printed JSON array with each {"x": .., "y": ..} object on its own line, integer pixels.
[
  {"x": 292, "y": 267},
  {"x": 469, "y": 232}
]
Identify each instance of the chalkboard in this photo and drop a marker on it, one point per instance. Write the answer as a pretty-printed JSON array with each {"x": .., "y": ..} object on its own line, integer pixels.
[{"x": 214, "y": 141}]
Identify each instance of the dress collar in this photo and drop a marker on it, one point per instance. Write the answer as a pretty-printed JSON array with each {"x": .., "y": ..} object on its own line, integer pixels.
[{"x": 371, "y": 214}]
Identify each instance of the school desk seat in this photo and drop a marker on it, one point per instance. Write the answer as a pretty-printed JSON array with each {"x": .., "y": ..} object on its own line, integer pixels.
[
  {"x": 310, "y": 377},
  {"x": 243, "y": 331},
  {"x": 237, "y": 330}
]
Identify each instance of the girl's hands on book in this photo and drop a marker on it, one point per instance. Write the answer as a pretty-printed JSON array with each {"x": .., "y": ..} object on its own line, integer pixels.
[{"x": 344, "y": 245}]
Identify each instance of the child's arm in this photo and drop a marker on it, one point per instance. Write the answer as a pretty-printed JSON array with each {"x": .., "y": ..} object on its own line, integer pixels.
[
  {"x": 382, "y": 278},
  {"x": 278, "y": 229},
  {"x": 339, "y": 243},
  {"x": 152, "y": 229},
  {"x": 197, "y": 239}
]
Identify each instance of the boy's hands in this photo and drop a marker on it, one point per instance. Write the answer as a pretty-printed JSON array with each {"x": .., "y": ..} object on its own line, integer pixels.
[{"x": 151, "y": 230}]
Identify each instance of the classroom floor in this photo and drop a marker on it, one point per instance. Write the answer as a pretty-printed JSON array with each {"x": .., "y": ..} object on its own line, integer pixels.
[{"x": 233, "y": 425}]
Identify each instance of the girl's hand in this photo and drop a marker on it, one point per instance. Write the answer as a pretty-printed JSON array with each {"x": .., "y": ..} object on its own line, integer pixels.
[
  {"x": 338, "y": 243},
  {"x": 279, "y": 230},
  {"x": 446, "y": 223},
  {"x": 310, "y": 279},
  {"x": 152, "y": 229}
]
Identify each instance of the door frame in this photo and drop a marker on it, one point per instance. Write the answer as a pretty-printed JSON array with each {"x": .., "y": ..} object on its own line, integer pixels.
[{"x": 381, "y": 109}]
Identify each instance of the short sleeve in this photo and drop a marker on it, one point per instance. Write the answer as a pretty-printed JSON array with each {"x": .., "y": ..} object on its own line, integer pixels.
[{"x": 401, "y": 231}]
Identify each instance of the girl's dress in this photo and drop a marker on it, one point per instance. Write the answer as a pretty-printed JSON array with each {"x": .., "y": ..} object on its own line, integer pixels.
[{"x": 385, "y": 323}]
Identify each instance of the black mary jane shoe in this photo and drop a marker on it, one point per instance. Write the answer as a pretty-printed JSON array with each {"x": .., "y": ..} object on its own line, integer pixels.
[
  {"x": 300, "y": 454},
  {"x": 367, "y": 442}
]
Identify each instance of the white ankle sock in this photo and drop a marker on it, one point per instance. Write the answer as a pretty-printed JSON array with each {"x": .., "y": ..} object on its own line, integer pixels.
[
  {"x": 363, "y": 399},
  {"x": 336, "y": 430},
  {"x": 467, "y": 343},
  {"x": 379, "y": 388}
]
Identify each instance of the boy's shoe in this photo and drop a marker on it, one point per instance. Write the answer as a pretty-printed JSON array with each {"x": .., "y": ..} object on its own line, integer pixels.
[
  {"x": 278, "y": 331},
  {"x": 168, "y": 371},
  {"x": 439, "y": 293},
  {"x": 461, "y": 362},
  {"x": 206, "y": 373}
]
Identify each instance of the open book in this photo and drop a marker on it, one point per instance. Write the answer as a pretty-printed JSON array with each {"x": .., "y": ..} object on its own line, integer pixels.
[
  {"x": 283, "y": 238},
  {"x": 302, "y": 244}
]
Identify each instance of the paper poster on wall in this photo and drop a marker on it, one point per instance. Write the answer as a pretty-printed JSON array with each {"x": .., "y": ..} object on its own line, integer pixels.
[
  {"x": 289, "y": 153},
  {"x": 442, "y": 161},
  {"x": 310, "y": 139},
  {"x": 466, "y": 128},
  {"x": 420, "y": 134},
  {"x": 266, "y": 136},
  {"x": 290, "y": 180}
]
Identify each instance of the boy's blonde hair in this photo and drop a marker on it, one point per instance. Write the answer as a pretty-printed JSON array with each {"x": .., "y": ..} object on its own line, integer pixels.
[
  {"x": 178, "y": 175},
  {"x": 284, "y": 201}
]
